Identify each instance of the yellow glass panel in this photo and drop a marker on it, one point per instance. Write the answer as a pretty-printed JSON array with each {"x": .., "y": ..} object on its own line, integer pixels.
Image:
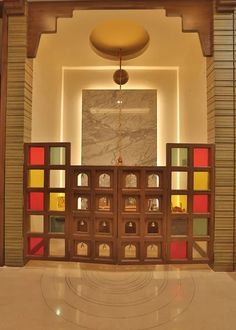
[
  {"x": 200, "y": 180},
  {"x": 179, "y": 203},
  {"x": 57, "y": 202},
  {"x": 36, "y": 179}
]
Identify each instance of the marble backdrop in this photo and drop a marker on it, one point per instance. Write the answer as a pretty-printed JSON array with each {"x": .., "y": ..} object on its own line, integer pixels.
[{"x": 101, "y": 119}]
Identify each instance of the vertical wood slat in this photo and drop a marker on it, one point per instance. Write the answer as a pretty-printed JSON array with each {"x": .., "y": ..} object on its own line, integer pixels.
[
  {"x": 221, "y": 131},
  {"x": 18, "y": 131}
]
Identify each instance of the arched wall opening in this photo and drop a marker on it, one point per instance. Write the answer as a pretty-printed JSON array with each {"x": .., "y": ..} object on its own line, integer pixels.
[{"x": 173, "y": 66}]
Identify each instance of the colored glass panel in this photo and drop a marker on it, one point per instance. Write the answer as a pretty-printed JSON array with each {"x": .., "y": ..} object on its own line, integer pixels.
[
  {"x": 36, "y": 224},
  {"x": 57, "y": 224},
  {"x": 35, "y": 246},
  {"x": 179, "y": 180},
  {"x": 200, "y": 204},
  {"x": 200, "y": 180},
  {"x": 57, "y": 179},
  {"x": 179, "y": 227},
  {"x": 201, "y": 157},
  {"x": 36, "y": 201},
  {"x": 200, "y": 250},
  {"x": 57, "y": 201},
  {"x": 200, "y": 226},
  {"x": 57, "y": 247},
  {"x": 179, "y": 157},
  {"x": 57, "y": 156},
  {"x": 179, "y": 203},
  {"x": 36, "y": 179},
  {"x": 36, "y": 156},
  {"x": 178, "y": 250}
]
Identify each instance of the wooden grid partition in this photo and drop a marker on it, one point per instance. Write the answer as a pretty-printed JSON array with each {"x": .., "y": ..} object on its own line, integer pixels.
[{"x": 125, "y": 215}]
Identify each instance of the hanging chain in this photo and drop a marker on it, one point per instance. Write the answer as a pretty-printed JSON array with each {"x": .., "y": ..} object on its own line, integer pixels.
[{"x": 119, "y": 146}]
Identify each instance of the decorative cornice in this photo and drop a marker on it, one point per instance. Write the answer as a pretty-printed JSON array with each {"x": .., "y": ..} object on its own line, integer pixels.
[
  {"x": 14, "y": 7},
  {"x": 197, "y": 16},
  {"x": 226, "y": 6}
]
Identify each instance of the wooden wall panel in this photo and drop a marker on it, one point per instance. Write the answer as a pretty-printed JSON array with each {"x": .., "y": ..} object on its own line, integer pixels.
[
  {"x": 18, "y": 131},
  {"x": 221, "y": 131}
]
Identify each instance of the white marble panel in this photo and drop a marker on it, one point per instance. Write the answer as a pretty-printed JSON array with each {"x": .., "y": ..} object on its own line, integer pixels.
[{"x": 107, "y": 123}]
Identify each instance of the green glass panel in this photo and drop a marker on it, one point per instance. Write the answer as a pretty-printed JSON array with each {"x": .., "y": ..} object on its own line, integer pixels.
[
  {"x": 179, "y": 157},
  {"x": 57, "y": 156},
  {"x": 179, "y": 227},
  {"x": 200, "y": 226},
  {"x": 57, "y": 224}
]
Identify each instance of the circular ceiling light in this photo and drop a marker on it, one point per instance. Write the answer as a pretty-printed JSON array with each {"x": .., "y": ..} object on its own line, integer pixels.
[{"x": 119, "y": 37}]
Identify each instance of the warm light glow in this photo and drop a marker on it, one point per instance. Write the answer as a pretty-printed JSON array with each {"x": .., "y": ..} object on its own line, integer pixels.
[{"x": 93, "y": 84}]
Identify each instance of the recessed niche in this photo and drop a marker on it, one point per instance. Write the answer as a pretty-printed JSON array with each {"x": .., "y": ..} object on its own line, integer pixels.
[
  {"x": 153, "y": 181},
  {"x": 152, "y": 251},
  {"x": 82, "y": 226},
  {"x": 82, "y": 180},
  {"x": 130, "y": 227},
  {"x": 104, "y": 226},
  {"x": 104, "y": 204},
  {"x": 130, "y": 251},
  {"x": 131, "y": 181},
  {"x": 82, "y": 203},
  {"x": 104, "y": 250},
  {"x": 153, "y": 205},
  {"x": 104, "y": 180},
  {"x": 130, "y": 204},
  {"x": 153, "y": 227},
  {"x": 82, "y": 249}
]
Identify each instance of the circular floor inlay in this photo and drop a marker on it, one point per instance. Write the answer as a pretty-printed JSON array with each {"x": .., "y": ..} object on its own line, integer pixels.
[{"x": 117, "y": 299}]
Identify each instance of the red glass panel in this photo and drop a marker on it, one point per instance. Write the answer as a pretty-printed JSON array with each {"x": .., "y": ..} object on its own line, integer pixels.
[
  {"x": 36, "y": 156},
  {"x": 36, "y": 201},
  {"x": 200, "y": 204},
  {"x": 35, "y": 246},
  {"x": 178, "y": 250},
  {"x": 201, "y": 157}
]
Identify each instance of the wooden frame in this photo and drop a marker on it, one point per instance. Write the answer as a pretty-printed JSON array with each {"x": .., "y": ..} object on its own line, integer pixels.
[
  {"x": 127, "y": 239},
  {"x": 43, "y": 19}
]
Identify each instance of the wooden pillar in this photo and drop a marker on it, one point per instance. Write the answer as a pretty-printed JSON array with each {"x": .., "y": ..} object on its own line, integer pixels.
[
  {"x": 18, "y": 131},
  {"x": 221, "y": 131}
]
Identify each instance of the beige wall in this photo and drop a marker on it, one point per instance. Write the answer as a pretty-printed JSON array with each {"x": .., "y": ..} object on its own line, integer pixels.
[{"x": 185, "y": 75}]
